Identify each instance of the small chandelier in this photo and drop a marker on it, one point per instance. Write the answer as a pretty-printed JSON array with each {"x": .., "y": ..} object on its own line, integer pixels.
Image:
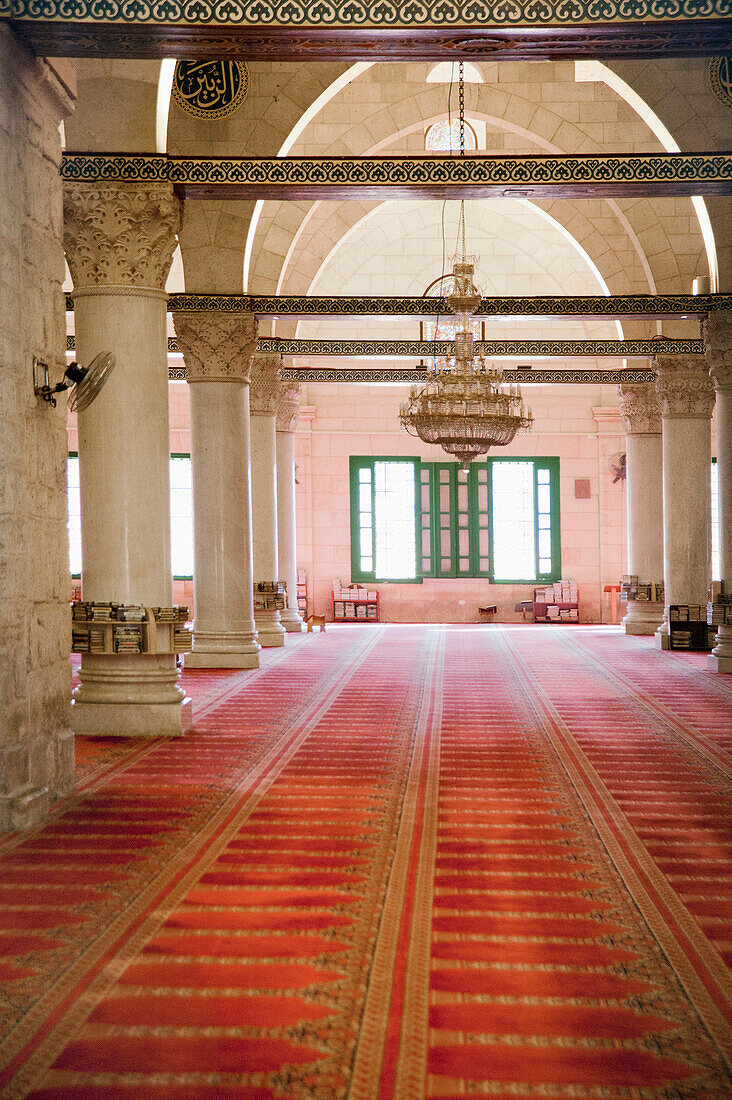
[{"x": 464, "y": 405}]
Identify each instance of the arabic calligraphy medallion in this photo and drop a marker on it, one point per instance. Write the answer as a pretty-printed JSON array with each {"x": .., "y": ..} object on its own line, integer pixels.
[
  {"x": 210, "y": 89},
  {"x": 720, "y": 78}
]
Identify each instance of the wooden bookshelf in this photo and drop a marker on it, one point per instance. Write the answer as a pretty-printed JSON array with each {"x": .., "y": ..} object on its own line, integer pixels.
[
  {"x": 688, "y": 628},
  {"x": 555, "y": 603},
  {"x": 121, "y": 638},
  {"x": 355, "y": 604},
  {"x": 302, "y": 593}
]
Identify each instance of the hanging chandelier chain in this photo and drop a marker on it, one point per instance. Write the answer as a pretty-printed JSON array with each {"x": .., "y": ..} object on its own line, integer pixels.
[{"x": 461, "y": 102}]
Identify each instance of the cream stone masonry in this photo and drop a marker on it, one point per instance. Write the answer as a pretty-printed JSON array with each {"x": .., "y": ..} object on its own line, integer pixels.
[
  {"x": 288, "y": 411},
  {"x": 36, "y": 742},
  {"x": 217, "y": 348},
  {"x": 686, "y": 396},
  {"x": 119, "y": 244},
  {"x": 718, "y": 340},
  {"x": 265, "y": 391},
  {"x": 640, "y": 413}
]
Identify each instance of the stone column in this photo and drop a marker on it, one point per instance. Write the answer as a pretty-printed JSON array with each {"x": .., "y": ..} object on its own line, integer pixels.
[
  {"x": 288, "y": 410},
  {"x": 119, "y": 242},
  {"x": 718, "y": 341},
  {"x": 641, "y": 416},
  {"x": 264, "y": 394},
  {"x": 686, "y": 396},
  {"x": 217, "y": 348}
]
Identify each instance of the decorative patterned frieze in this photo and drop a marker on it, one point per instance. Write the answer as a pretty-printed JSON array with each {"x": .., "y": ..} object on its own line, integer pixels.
[
  {"x": 684, "y": 387},
  {"x": 217, "y": 347},
  {"x": 545, "y": 348},
  {"x": 624, "y": 305},
  {"x": 288, "y": 406},
  {"x": 717, "y": 329},
  {"x": 119, "y": 234},
  {"x": 640, "y": 410},
  {"x": 332, "y": 305},
  {"x": 419, "y": 374},
  {"x": 265, "y": 387},
  {"x": 564, "y": 175}
]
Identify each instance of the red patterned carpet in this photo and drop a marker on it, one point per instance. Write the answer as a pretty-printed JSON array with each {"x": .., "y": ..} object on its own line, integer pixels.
[{"x": 396, "y": 862}]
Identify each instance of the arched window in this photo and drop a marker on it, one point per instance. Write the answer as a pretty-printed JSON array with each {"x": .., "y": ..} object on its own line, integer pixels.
[
  {"x": 444, "y": 137},
  {"x": 446, "y": 72}
]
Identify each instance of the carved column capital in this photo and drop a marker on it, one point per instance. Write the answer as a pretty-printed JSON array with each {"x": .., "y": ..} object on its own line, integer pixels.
[
  {"x": 717, "y": 332},
  {"x": 288, "y": 406},
  {"x": 685, "y": 390},
  {"x": 120, "y": 234},
  {"x": 216, "y": 346},
  {"x": 265, "y": 387},
  {"x": 640, "y": 410}
]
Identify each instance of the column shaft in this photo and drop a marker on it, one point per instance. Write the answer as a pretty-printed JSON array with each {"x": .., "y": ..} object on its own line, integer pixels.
[
  {"x": 641, "y": 417},
  {"x": 718, "y": 339},
  {"x": 265, "y": 387},
  {"x": 287, "y": 414},
  {"x": 217, "y": 348},
  {"x": 687, "y": 402}
]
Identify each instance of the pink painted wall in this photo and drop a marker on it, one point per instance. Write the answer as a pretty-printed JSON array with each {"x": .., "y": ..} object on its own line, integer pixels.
[{"x": 579, "y": 425}]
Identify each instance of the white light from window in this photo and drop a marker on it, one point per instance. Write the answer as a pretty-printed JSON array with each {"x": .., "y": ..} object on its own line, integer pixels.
[
  {"x": 395, "y": 527},
  {"x": 514, "y": 553},
  {"x": 447, "y": 72},
  {"x": 716, "y": 567},
  {"x": 74, "y": 514},
  {"x": 181, "y": 517},
  {"x": 444, "y": 137}
]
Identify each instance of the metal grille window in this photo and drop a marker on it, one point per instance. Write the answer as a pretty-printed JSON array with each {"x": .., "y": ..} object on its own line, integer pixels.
[{"x": 498, "y": 520}]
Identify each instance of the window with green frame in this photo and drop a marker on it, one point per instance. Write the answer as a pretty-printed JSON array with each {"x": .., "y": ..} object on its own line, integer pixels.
[{"x": 411, "y": 519}]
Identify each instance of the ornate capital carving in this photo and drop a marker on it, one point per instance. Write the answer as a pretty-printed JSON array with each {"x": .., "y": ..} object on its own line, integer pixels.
[
  {"x": 288, "y": 406},
  {"x": 217, "y": 347},
  {"x": 120, "y": 234},
  {"x": 684, "y": 388},
  {"x": 265, "y": 388},
  {"x": 717, "y": 332},
  {"x": 640, "y": 410}
]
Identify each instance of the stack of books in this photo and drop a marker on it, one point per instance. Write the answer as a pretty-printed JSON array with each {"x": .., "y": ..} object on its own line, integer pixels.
[
  {"x": 182, "y": 639},
  {"x": 642, "y": 591},
  {"x": 130, "y": 613},
  {"x": 96, "y": 640},
  {"x": 164, "y": 614},
  {"x": 128, "y": 639},
  {"x": 270, "y": 595}
]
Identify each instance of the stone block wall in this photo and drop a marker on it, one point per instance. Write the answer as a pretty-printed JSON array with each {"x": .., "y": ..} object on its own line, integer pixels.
[{"x": 36, "y": 743}]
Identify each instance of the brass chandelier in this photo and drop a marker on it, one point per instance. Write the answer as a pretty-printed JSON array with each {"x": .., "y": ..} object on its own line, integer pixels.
[{"x": 464, "y": 405}]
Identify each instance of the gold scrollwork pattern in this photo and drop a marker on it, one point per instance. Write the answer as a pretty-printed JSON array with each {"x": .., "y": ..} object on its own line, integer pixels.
[
  {"x": 210, "y": 89},
  {"x": 651, "y": 173},
  {"x": 419, "y": 374},
  {"x": 360, "y": 14},
  {"x": 633, "y": 305},
  {"x": 613, "y": 348},
  {"x": 720, "y": 79}
]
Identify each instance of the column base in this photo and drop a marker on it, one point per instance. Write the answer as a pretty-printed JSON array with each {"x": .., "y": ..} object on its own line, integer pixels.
[
  {"x": 224, "y": 649},
  {"x": 222, "y": 659},
  {"x": 292, "y": 621},
  {"x": 24, "y": 808},
  {"x": 131, "y": 719},
  {"x": 643, "y": 618},
  {"x": 270, "y": 631},
  {"x": 128, "y": 696},
  {"x": 720, "y": 659}
]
